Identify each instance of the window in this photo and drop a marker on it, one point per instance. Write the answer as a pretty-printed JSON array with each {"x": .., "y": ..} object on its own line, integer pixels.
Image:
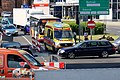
[
  {"x": 114, "y": 0},
  {"x": 102, "y": 43},
  {"x": 84, "y": 45},
  {"x": 93, "y": 44},
  {"x": 118, "y": 5},
  {"x": 51, "y": 36},
  {"x": 0, "y": 3},
  {"x": 48, "y": 33},
  {"x": 14, "y": 61}
]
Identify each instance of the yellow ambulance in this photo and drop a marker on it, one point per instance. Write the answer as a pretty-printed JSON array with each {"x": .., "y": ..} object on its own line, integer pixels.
[{"x": 58, "y": 35}]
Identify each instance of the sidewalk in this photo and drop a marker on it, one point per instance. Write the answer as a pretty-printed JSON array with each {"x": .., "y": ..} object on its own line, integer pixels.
[{"x": 110, "y": 23}]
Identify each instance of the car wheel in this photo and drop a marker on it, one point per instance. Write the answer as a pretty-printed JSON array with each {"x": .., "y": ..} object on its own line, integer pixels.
[
  {"x": 71, "y": 55},
  {"x": 104, "y": 54},
  {"x": 16, "y": 34}
]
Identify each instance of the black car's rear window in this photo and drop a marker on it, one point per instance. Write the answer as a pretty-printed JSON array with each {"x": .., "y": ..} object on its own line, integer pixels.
[{"x": 104, "y": 43}]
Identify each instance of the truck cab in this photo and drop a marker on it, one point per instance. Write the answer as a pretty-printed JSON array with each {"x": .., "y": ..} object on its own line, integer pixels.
[{"x": 12, "y": 59}]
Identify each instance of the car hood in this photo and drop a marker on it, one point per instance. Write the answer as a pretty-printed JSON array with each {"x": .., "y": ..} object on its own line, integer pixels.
[{"x": 11, "y": 30}]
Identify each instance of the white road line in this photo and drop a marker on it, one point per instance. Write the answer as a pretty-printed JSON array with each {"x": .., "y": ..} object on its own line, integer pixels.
[
  {"x": 27, "y": 40},
  {"x": 43, "y": 58}
]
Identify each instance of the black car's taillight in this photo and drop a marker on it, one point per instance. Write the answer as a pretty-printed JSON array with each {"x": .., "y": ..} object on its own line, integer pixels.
[
  {"x": 4, "y": 30},
  {"x": 114, "y": 48}
]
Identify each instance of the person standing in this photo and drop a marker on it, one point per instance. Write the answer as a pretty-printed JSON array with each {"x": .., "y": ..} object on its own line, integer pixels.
[
  {"x": 75, "y": 36},
  {"x": 85, "y": 35}
]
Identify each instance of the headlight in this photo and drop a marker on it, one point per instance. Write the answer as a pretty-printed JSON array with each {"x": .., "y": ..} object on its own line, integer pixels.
[
  {"x": 57, "y": 45},
  {"x": 73, "y": 44},
  {"x": 62, "y": 51},
  {"x": 16, "y": 31}
]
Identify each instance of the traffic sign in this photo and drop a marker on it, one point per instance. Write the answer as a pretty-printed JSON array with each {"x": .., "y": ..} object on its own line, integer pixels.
[
  {"x": 91, "y": 24},
  {"x": 94, "y": 7}
]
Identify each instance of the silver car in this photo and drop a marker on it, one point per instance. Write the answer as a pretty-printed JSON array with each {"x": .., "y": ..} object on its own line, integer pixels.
[{"x": 116, "y": 43}]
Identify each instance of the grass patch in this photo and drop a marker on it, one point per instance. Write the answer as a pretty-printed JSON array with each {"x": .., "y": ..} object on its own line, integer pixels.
[{"x": 96, "y": 37}]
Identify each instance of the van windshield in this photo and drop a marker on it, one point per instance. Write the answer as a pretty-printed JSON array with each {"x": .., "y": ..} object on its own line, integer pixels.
[
  {"x": 63, "y": 34},
  {"x": 32, "y": 60}
]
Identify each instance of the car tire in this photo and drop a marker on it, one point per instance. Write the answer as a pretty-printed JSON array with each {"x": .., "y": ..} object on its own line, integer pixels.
[
  {"x": 104, "y": 54},
  {"x": 16, "y": 34},
  {"x": 71, "y": 55}
]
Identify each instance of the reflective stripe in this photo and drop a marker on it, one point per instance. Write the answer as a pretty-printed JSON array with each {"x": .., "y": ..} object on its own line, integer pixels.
[{"x": 60, "y": 65}]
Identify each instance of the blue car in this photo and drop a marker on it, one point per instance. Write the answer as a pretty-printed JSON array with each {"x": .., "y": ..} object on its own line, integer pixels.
[{"x": 9, "y": 30}]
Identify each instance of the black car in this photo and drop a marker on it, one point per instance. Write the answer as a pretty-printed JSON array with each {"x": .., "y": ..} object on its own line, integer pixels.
[
  {"x": 16, "y": 45},
  {"x": 101, "y": 48}
]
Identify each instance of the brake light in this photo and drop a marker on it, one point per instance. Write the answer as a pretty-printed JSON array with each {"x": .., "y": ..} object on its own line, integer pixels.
[
  {"x": 114, "y": 48},
  {"x": 4, "y": 30}
]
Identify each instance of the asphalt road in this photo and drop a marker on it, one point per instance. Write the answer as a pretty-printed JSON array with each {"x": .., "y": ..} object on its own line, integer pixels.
[{"x": 80, "y": 62}]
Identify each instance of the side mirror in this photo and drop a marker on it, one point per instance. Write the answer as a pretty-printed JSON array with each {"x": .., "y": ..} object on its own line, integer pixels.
[
  {"x": 27, "y": 66},
  {"x": 35, "y": 55}
]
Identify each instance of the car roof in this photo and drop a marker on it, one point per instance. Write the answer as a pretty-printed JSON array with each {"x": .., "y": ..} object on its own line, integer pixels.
[
  {"x": 6, "y": 51},
  {"x": 9, "y": 42},
  {"x": 96, "y": 41},
  {"x": 9, "y": 51}
]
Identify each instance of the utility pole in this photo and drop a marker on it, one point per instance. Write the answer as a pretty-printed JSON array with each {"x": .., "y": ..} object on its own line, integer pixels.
[{"x": 62, "y": 9}]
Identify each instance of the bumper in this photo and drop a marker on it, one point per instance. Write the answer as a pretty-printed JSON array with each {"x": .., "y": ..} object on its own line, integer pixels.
[
  {"x": 40, "y": 40},
  {"x": 14, "y": 33},
  {"x": 62, "y": 54}
]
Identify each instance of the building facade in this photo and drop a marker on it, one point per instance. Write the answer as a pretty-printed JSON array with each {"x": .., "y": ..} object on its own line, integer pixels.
[
  {"x": 70, "y": 8},
  {"x": 116, "y": 9},
  {"x": 8, "y": 5}
]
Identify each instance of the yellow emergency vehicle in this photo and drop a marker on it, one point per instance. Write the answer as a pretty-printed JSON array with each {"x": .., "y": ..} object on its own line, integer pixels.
[
  {"x": 58, "y": 35},
  {"x": 37, "y": 28}
]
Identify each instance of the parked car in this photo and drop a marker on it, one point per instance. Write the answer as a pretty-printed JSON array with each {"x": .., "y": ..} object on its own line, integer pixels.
[
  {"x": 101, "y": 48},
  {"x": 16, "y": 45},
  {"x": 116, "y": 43},
  {"x": 16, "y": 64},
  {"x": 6, "y": 13},
  {"x": 9, "y": 30}
]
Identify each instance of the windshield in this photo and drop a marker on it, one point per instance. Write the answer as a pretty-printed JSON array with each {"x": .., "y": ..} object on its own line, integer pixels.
[
  {"x": 79, "y": 44},
  {"x": 63, "y": 34},
  {"x": 4, "y": 22},
  {"x": 117, "y": 40},
  {"x": 10, "y": 45},
  {"x": 10, "y": 20},
  {"x": 32, "y": 60},
  {"x": 9, "y": 27}
]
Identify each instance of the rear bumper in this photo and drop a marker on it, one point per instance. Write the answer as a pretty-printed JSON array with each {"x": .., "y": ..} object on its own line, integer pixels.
[{"x": 40, "y": 40}]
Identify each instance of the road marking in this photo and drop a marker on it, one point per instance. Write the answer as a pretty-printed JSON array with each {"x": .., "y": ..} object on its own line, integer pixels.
[
  {"x": 43, "y": 58},
  {"x": 27, "y": 40},
  {"x": 118, "y": 31}
]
